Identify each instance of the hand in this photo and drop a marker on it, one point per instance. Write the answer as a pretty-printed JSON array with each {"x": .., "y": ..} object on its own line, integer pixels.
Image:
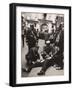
[{"x": 46, "y": 56}]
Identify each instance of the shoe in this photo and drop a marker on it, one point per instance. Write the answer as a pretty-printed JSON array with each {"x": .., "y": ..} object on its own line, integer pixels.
[
  {"x": 29, "y": 69},
  {"x": 41, "y": 73},
  {"x": 59, "y": 68},
  {"x": 26, "y": 70}
]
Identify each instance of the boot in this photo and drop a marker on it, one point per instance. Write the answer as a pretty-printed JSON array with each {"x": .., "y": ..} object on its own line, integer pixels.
[{"x": 41, "y": 72}]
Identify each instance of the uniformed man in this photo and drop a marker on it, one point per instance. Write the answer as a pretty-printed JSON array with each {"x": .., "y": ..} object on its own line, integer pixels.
[
  {"x": 31, "y": 37},
  {"x": 49, "y": 59},
  {"x": 55, "y": 57}
]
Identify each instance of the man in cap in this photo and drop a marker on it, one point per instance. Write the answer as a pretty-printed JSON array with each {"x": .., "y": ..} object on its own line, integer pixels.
[{"x": 49, "y": 56}]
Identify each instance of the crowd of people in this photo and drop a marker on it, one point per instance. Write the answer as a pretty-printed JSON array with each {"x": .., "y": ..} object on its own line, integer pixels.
[{"x": 52, "y": 53}]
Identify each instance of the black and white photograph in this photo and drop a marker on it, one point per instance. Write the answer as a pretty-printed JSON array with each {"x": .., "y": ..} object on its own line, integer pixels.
[
  {"x": 40, "y": 44},
  {"x": 42, "y": 48}
]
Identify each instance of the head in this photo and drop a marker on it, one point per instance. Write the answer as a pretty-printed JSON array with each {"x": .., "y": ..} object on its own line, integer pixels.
[
  {"x": 48, "y": 43},
  {"x": 44, "y": 27},
  {"x": 31, "y": 27}
]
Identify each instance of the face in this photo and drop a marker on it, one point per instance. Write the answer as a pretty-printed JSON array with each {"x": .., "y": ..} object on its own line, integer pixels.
[{"x": 44, "y": 28}]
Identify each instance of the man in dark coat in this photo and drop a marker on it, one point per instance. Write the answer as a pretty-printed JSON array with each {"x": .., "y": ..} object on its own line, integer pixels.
[
  {"x": 31, "y": 37},
  {"x": 57, "y": 56}
]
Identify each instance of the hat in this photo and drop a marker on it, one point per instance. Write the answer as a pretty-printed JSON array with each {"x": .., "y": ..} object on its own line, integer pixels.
[{"x": 48, "y": 42}]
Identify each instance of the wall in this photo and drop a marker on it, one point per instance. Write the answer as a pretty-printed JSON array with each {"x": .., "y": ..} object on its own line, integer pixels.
[{"x": 4, "y": 44}]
